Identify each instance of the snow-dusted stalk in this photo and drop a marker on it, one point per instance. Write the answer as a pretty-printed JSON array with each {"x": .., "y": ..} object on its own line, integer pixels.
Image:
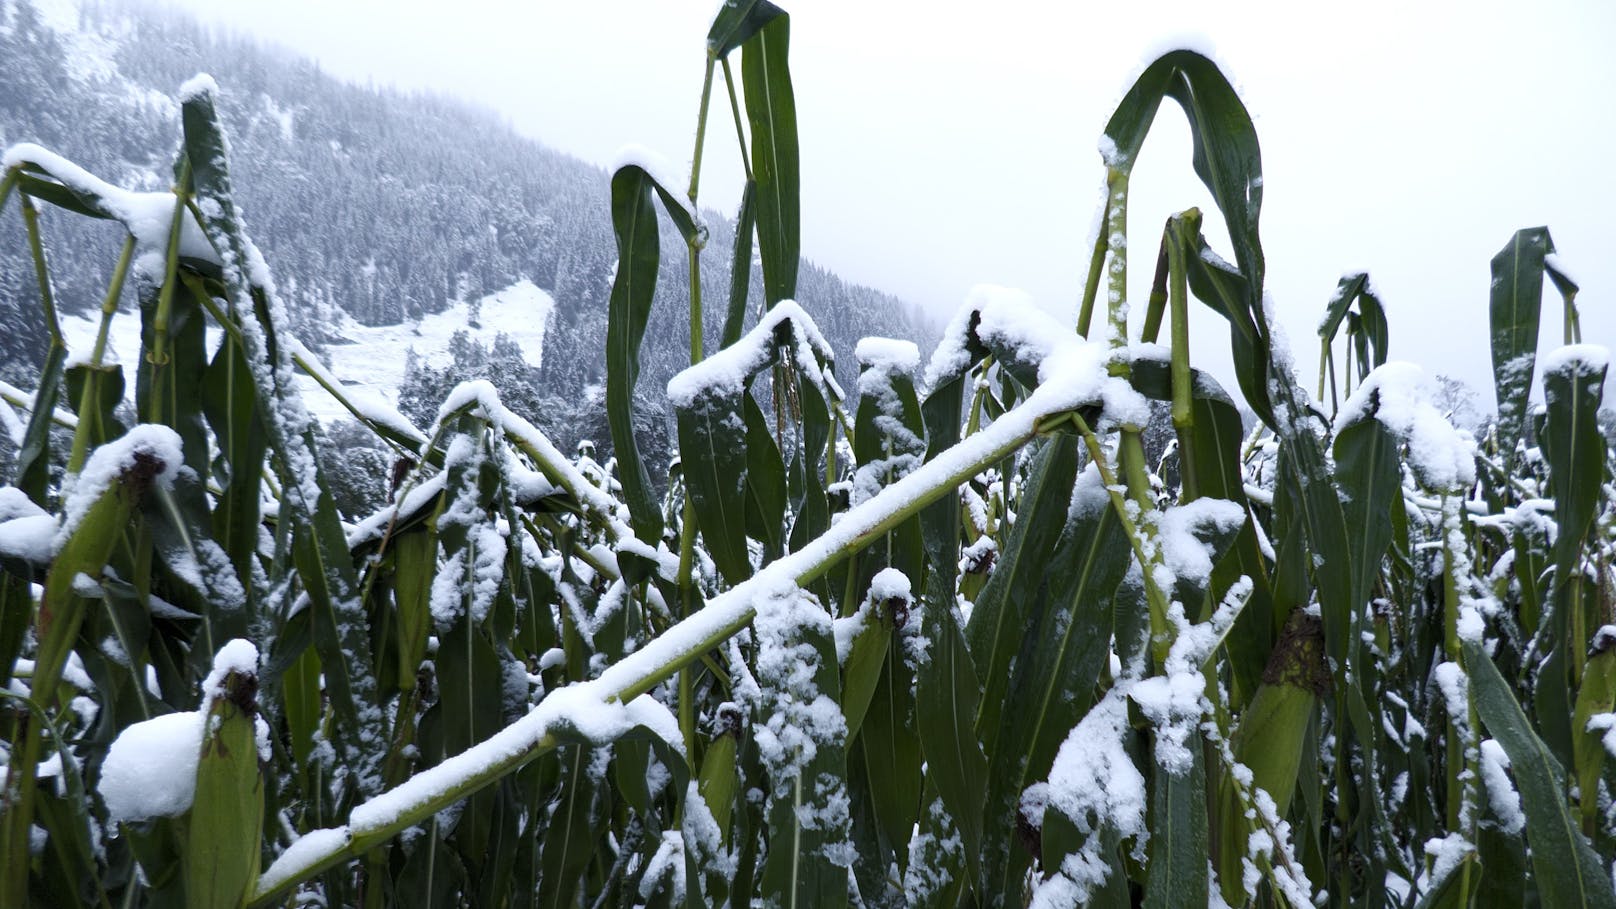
[{"x": 1116, "y": 241}]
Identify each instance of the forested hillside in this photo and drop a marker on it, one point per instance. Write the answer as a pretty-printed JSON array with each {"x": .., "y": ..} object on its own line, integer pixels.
[{"x": 381, "y": 205}]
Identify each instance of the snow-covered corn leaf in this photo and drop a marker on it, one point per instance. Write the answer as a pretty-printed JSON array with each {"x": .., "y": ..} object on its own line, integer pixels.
[
  {"x": 713, "y": 454},
  {"x": 1063, "y": 650},
  {"x": 231, "y": 406},
  {"x": 1565, "y": 867},
  {"x": 1516, "y": 304},
  {"x": 1573, "y": 386}
]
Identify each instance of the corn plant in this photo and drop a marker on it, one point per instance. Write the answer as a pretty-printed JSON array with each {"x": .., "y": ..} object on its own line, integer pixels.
[{"x": 947, "y": 641}]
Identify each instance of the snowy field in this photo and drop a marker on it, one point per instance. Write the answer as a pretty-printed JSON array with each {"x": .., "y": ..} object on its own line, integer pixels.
[{"x": 371, "y": 365}]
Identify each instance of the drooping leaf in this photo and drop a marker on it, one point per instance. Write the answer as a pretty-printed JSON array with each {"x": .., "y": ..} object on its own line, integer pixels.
[
  {"x": 771, "y": 111},
  {"x": 633, "y": 286},
  {"x": 738, "y": 20}
]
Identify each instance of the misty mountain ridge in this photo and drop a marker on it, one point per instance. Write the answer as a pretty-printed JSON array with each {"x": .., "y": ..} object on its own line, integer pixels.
[{"x": 391, "y": 221}]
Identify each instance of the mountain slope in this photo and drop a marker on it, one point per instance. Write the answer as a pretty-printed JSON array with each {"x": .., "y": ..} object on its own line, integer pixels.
[{"x": 371, "y": 205}]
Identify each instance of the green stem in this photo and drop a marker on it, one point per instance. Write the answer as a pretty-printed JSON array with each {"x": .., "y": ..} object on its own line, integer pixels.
[
  {"x": 1184, "y": 228},
  {"x": 89, "y": 412},
  {"x": 1091, "y": 286},
  {"x": 687, "y": 530},
  {"x": 1128, "y": 506},
  {"x": 701, "y": 130},
  {"x": 36, "y": 247},
  {"x": 735, "y": 109}
]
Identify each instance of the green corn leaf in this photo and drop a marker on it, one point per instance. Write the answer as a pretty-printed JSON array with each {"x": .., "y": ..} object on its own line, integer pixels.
[
  {"x": 771, "y": 111},
  {"x": 101, "y": 388},
  {"x": 638, "y": 251},
  {"x": 999, "y": 619},
  {"x": 1063, "y": 650},
  {"x": 1179, "y": 851},
  {"x": 85, "y": 552},
  {"x": 1595, "y": 696},
  {"x": 1565, "y": 867},
  {"x": 1505, "y": 868},
  {"x": 890, "y": 749},
  {"x": 1447, "y": 890},
  {"x": 169, "y": 384},
  {"x": 765, "y": 482},
  {"x": 569, "y": 841},
  {"x": 16, "y": 614},
  {"x": 1576, "y": 452},
  {"x": 230, "y": 403},
  {"x": 33, "y": 456},
  {"x": 947, "y": 700},
  {"x": 300, "y": 696},
  {"x": 70, "y": 862},
  {"x": 1226, "y": 156},
  {"x": 720, "y": 778},
  {"x": 738, "y": 20},
  {"x": 415, "y": 555},
  {"x": 866, "y": 666},
  {"x": 874, "y": 857},
  {"x": 1215, "y": 434},
  {"x": 1369, "y": 475},
  {"x": 73, "y": 195},
  {"x": 808, "y": 857},
  {"x": 713, "y": 453},
  {"x": 1226, "y": 291},
  {"x": 740, "y": 274},
  {"x": 1516, "y": 304},
  {"x": 940, "y": 521},
  {"x": 1335, "y": 311},
  {"x": 319, "y": 546}
]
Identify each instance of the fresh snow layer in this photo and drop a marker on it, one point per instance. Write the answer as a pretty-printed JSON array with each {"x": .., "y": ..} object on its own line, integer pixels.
[
  {"x": 725, "y": 373},
  {"x": 150, "y": 770},
  {"x": 674, "y": 180},
  {"x": 1399, "y": 396},
  {"x": 159, "y": 444},
  {"x": 27, "y": 532},
  {"x": 147, "y": 215},
  {"x": 1578, "y": 359},
  {"x": 888, "y": 355},
  {"x": 367, "y": 360}
]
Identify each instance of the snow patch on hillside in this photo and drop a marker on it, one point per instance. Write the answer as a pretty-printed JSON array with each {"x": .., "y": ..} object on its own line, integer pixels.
[{"x": 371, "y": 364}]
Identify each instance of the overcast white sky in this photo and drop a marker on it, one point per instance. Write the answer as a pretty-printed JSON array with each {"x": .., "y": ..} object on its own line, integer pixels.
[{"x": 946, "y": 144}]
